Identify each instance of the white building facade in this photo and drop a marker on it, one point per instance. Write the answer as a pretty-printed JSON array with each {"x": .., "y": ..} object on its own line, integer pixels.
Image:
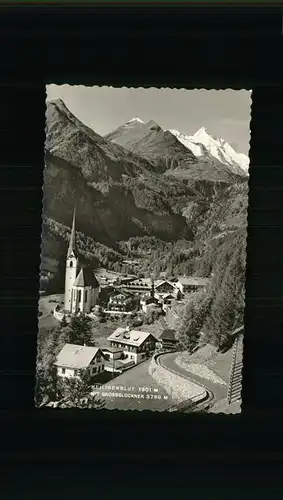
[
  {"x": 81, "y": 286},
  {"x": 136, "y": 345},
  {"x": 73, "y": 360}
]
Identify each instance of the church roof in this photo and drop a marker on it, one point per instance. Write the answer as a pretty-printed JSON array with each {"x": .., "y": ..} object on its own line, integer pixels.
[
  {"x": 86, "y": 278},
  {"x": 72, "y": 250}
]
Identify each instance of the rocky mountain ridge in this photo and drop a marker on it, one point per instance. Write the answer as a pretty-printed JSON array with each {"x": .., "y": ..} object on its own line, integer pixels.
[
  {"x": 204, "y": 145},
  {"x": 120, "y": 193},
  {"x": 197, "y": 157}
]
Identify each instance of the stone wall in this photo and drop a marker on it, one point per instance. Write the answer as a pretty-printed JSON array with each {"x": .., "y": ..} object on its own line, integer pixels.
[
  {"x": 59, "y": 315},
  {"x": 177, "y": 387}
]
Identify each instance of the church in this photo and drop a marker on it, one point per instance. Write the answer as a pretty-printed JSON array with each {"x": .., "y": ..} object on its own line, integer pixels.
[{"x": 81, "y": 286}]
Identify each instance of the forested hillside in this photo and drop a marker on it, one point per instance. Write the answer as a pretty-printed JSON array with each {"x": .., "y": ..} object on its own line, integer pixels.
[{"x": 190, "y": 219}]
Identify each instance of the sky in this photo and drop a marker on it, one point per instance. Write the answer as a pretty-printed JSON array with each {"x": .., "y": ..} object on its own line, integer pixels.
[{"x": 224, "y": 113}]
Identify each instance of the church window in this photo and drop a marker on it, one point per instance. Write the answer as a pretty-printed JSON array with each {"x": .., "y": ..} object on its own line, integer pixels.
[
  {"x": 71, "y": 263},
  {"x": 79, "y": 295},
  {"x": 85, "y": 295}
]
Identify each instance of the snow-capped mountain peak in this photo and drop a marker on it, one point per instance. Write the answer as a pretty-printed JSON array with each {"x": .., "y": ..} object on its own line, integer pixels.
[
  {"x": 201, "y": 132},
  {"x": 204, "y": 137},
  {"x": 204, "y": 144},
  {"x": 135, "y": 120}
]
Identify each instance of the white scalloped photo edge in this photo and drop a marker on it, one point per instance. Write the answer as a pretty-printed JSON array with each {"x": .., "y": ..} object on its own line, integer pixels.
[{"x": 143, "y": 254}]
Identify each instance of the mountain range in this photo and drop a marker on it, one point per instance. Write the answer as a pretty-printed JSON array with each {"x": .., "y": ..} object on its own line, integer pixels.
[
  {"x": 139, "y": 180},
  {"x": 199, "y": 156},
  {"x": 202, "y": 144}
]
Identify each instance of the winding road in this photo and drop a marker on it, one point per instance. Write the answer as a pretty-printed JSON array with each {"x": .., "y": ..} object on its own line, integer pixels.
[{"x": 215, "y": 391}]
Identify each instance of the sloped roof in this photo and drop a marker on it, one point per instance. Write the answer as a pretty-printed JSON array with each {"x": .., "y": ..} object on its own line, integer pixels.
[
  {"x": 72, "y": 249},
  {"x": 121, "y": 296},
  {"x": 165, "y": 282},
  {"x": 86, "y": 278},
  {"x": 129, "y": 337},
  {"x": 168, "y": 334},
  {"x": 149, "y": 300},
  {"x": 76, "y": 356},
  {"x": 193, "y": 281}
]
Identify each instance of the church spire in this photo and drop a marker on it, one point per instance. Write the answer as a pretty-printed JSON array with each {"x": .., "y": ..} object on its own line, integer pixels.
[{"x": 72, "y": 245}]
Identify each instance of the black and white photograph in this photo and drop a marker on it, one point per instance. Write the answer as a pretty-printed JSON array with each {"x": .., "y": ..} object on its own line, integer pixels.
[{"x": 143, "y": 252}]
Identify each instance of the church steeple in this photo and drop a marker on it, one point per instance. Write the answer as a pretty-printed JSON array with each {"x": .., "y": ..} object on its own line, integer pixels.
[
  {"x": 72, "y": 250},
  {"x": 71, "y": 267}
]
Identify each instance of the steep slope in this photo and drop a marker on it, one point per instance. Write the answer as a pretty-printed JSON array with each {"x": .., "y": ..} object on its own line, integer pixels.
[
  {"x": 85, "y": 169},
  {"x": 150, "y": 141},
  {"x": 116, "y": 193},
  {"x": 119, "y": 194},
  {"x": 171, "y": 155},
  {"x": 126, "y": 133},
  {"x": 224, "y": 223},
  {"x": 55, "y": 240},
  {"x": 209, "y": 148},
  {"x": 219, "y": 251}
]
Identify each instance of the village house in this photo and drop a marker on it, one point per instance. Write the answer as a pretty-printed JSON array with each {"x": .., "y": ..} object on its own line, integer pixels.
[
  {"x": 116, "y": 361},
  {"x": 168, "y": 339},
  {"x": 143, "y": 286},
  {"x": 188, "y": 284},
  {"x": 81, "y": 286},
  {"x": 121, "y": 302},
  {"x": 124, "y": 280},
  {"x": 165, "y": 287},
  {"x": 149, "y": 300},
  {"x": 138, "y": 286},
  {"x": 167, "y": 300},
  {"x": 136, "y": 346},
  {"x": 112, "y": 353},
  {"x": 73, "y": 360}
]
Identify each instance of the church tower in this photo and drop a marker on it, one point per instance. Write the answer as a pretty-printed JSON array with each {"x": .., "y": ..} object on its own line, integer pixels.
[{"x": 71, "y": 267}]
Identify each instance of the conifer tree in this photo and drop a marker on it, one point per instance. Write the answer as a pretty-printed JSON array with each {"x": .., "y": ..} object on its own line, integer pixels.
[
  {"x": 77, "y": 393},
  {"x": 193, "y": 320},
  {"x": 78, "y": 331}
]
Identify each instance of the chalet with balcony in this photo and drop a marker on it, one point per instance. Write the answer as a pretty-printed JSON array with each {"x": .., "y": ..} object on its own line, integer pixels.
[
  {"x": 121, "y": 302},
  {"x": 164, "y": 288},
  {"x": 137, "y": 346},
  {"x": 168, "y": 339},
  {"x": 138, "y": 286}
]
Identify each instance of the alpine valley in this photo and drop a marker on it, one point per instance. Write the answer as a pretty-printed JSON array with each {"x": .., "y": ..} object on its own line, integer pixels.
[{"x": 166, "y": 201}]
